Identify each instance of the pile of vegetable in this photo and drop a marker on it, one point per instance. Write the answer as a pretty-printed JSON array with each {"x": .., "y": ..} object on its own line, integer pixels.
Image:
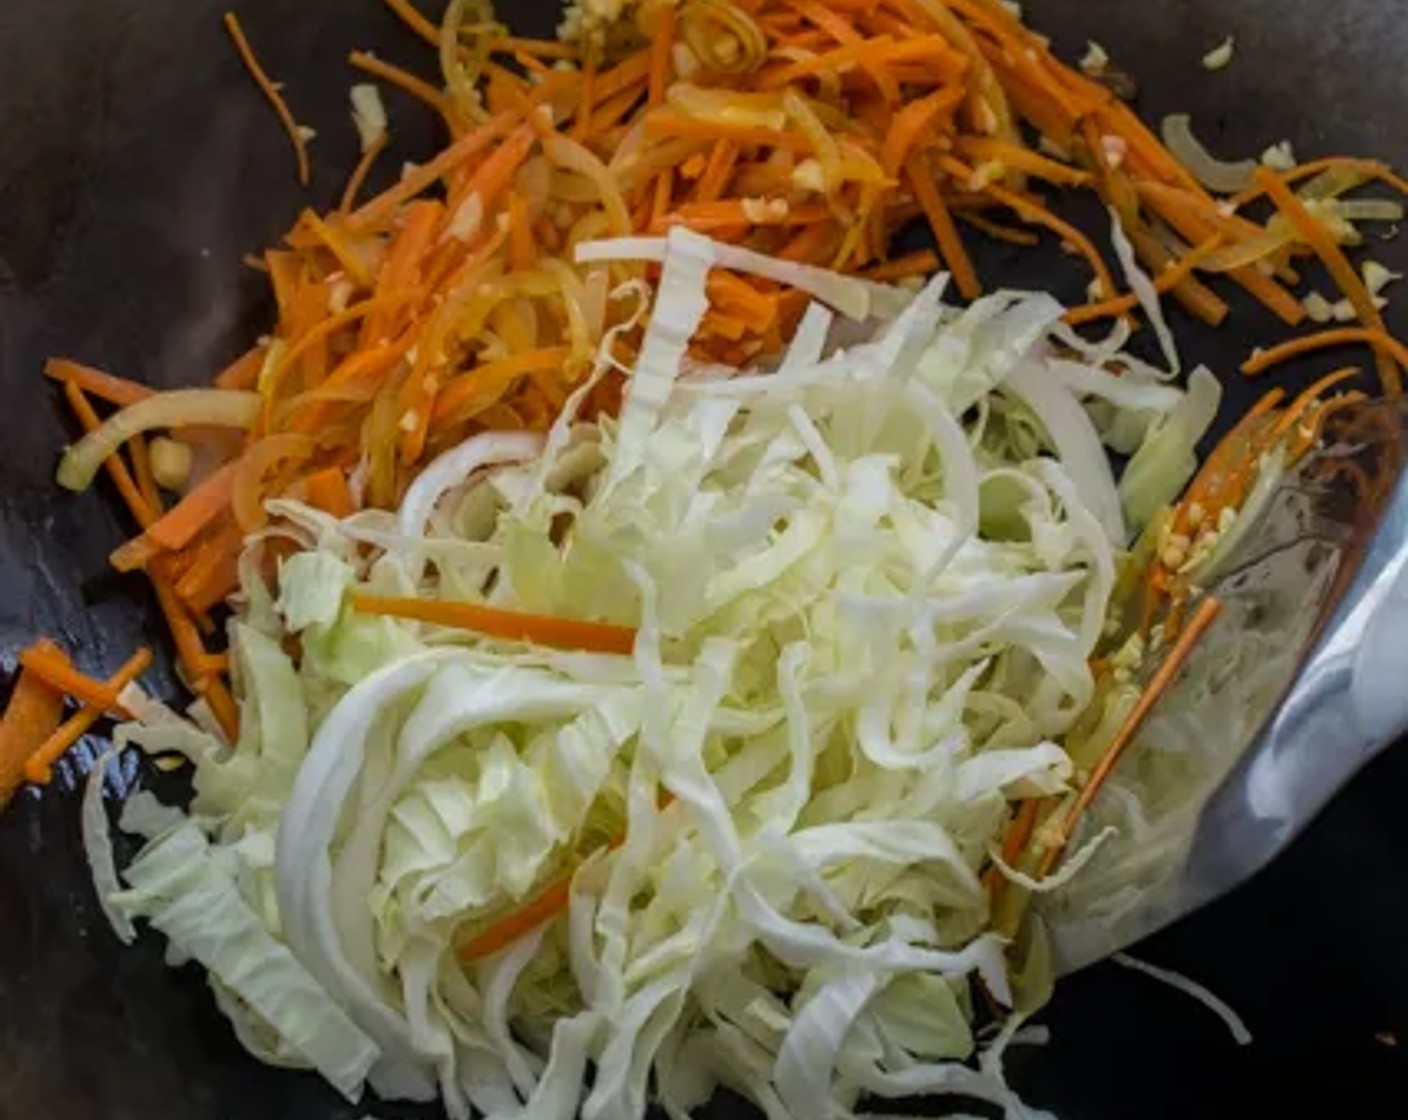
[
  {"x": 680, "y": 742},
  {"x": 667, "y": 633}
]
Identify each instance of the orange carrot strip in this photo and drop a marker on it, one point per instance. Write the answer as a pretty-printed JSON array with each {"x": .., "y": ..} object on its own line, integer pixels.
[
  {"x": 717, "y": 172},
  {"x": 543, "y": 48},
  {"x": 38, "y": 768},
  {"x": 222, "y": 705},
  {"x": 383, "y": 206},
  {"x": 51, "y": 665},
  {"x": 840, "y": 29},
  {"x": 587, "y": 98},
  {"x": 946, "y": 234},
  {"x": 31, "y": 717},
  {"x": 492, "y": 176},
  {"x": 913, "y": 121},
  {"x": 663, "y": 123},
  {"x": 487, "y": 380},
  {"x": 1196, "y": 219},
  {"x": 1021, "y": 159},
  {"x": 540, "y": 909},
  {"x": 662, "y": 42},
  {"x": 703, "y": 216},
  {"x": 415, "y": 21},
  {"x": 1162, "y": 680},
  {"x": 243, "y": 372},
  {"x": 1370, "y": 167},
  {"x": 1341, "y": 271},
  {"x": 403, "y": 80},
  {"x": 190, "y": 649},
  {"x": 271, "y": 94},
  {"x": 115, "y": 390},
  {"x": 521, "y": 250},
  {"x": 331, "y": 238},
  {"x": 1311, "y": 397},
  {"x": 360, "y": 173},
  {"x": 116, "y": 468},
  {"x": 1325, "y": 340},
  {"x": 179, "y": 526},
  {"x": 922, "y": 263},
  {"x": 514, "y": 626}
]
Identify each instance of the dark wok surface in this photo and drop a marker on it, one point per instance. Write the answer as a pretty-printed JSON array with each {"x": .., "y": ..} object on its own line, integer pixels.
[{"x": 137, "y": 164}]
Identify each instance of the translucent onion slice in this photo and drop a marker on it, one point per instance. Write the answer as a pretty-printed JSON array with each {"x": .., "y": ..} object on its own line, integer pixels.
[
  {"x": 1215, "y": 174},
  {"x": 217, "y": 408}
]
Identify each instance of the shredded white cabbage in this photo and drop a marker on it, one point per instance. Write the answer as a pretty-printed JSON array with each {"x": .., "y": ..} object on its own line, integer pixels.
[{"x": 865, "y": 587}]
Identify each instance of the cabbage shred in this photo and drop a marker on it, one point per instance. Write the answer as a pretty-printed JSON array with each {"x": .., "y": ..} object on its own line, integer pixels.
[{"x": 866, "y": 587}]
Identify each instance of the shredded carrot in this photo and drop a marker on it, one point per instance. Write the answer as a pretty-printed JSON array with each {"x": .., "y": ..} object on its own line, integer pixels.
[
  {"x": 1325, "y": 340},
  {"x": 328, "y": 491},
  {"x": 483, "y": 382},
  {"x": 360, "y": 173},
  {"x": 945, "y": 232},
  {"x": 179, "y": 526},
  {"x": 214, "y": 692},
  {"x": 921, "y": 263},
  {"x": 404, "y": 81},
  {"x": 586, "y": 103},
  {"x": 31, "y": 716},
  {"x": 1372, "y": 169},
  {"x": 415, "y": 21},
  {"x": 104, "y": 386},
  {"x": 662, "y": 42},
  {"x": 1341, "y": 271},
  {"x": 1312, "y": 396},
  {"x": 272, "y": 94},
  {"x": 38, "y": 768},
  {"x": 515, "y": 626},
  {"x": 1205, "y": 615},
  {"x": 540, "y": 909},
  {"x": 521, "y": 250},
  {"x": 51, "y": 665},
  {"x": 243, "y": 372}
]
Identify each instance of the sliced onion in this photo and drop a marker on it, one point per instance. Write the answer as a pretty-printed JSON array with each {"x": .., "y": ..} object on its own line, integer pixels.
[
  {"x": 1370, "y": 210},
  {"x": 726, "y": 106},
  {"x": 1248, "y": 252},
  {"x": 1215, "y": 174},
  {"x": 247, "y": 488},
  {"x": 457, "y": 464},
  {"x": 572, "y": 156},
  {"x": 219, "y": 408}
]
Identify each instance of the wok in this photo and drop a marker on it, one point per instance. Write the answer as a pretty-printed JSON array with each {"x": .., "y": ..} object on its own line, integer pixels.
[{"x": 137, "y": 164}]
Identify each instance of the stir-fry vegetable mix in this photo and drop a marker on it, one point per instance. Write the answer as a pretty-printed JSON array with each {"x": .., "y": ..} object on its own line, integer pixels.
[{"x": 633, "y": 661}]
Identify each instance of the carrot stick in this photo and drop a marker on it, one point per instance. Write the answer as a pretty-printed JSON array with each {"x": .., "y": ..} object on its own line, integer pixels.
[
  {"x": 271, "y": 94},
  {"x": 178, "y": 527},
  {"x": 662, "y": 42},
  {"x": 328, "y": 491},
  {"x": 717, "y": 172},
  {"x": 243, "y": 372},
  {"x": 384, "y": 205},
  {"x": 666, "y": 123},
  {"x": 1308, "y": 399},
  {"x": 332, "y": 239},
  {"x": 1341, "y": 271},
  {"x": 521, "y": 250},
  {"x": 1162, "y": 680},
  {"x": 415, "y": 21},
  {"x": 114, "y": 390},
  {"x": 51, "y": 665},
  {"x": 31, "y": 716},
  {"x": 1370, "y": 167},
  {"x": 38, "y": 768},
  {"x": 515, "y": 626},
  {"x": 116, "y": 468},
  {"x": 360, "y": 173},
  {"x": 1325, "y": 340},
  {"x": 945, "y": 232},
  {"x": 913, "y": 121},
  {"x": 996, "y": 151},
  {"x": 403, "y": 80},
  {"x": 540, "y": 909},
  {"x": 840, "y": 29},
  {"x": 216, "y": 693},
  {"x": 487, "y": 380},
  {"x": 493, "y": 175}
]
